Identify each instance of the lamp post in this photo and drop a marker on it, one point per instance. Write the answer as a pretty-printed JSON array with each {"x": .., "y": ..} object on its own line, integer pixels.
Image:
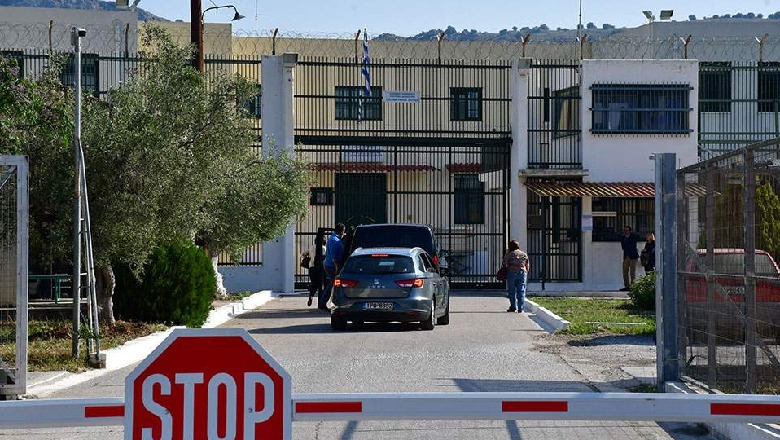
[
  {"x": 196, "y": 35},
  {"x": 666, "y": 14}
]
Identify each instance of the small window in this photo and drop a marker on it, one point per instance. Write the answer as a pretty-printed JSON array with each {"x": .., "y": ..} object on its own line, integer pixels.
[
  {"x": 321, "y": 196},
  {"x": 769, "y": 86},
  {"x": 640, "y": 109},
  {"x": 466, "y": 104},
  {"x": 715, "y": 86},
  {"x": 469, "y": 203},
  {"x": 353, "y": 104},
  {"x": 566, "y": 112},
  {"x": 89, "y": 72}
]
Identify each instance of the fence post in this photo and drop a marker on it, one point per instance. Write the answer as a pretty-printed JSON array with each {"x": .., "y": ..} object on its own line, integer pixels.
[
  {"x": 751, "y": 340},
  {"x": 668, "y": 367}
]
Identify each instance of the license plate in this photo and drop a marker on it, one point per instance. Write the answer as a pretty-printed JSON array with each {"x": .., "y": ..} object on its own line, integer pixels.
[{"x": 377, "y": 306}]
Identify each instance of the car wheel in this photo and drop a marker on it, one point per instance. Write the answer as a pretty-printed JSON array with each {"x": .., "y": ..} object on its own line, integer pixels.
[
  {"x": 337, "y": 323},
  {"x": 430, "y": 322},
  {"x": 445, "y": 319}
]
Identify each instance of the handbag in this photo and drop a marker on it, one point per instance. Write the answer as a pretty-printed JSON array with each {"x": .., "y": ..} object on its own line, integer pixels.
[
  {"x": 501, "y": 274},
  {"x": 305, "y": 262}
]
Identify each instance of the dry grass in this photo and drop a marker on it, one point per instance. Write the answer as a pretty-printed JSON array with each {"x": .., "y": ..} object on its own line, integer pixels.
[{"x": 50, "y": 343}]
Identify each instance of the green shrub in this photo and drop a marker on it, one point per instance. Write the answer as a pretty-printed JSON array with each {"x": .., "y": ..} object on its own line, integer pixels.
[
  {"x": 177, "y": 287},
  {"x": 642, "y": 292}
]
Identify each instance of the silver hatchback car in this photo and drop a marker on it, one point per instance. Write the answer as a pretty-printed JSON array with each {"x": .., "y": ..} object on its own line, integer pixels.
[{"x": 390, "y": 285}]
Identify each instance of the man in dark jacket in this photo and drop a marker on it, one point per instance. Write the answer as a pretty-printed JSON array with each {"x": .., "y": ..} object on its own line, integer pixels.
[{"x": 628, "y": 242}]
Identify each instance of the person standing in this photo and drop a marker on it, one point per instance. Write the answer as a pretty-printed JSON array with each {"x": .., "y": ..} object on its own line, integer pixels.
[
  {"x": 316, "y": 255},
  {"x": 648, "y": 253},
  {"x": 628, "y": 243},
  {"x": 517, "y": 266},
  {"x": 334, "y": 251}
]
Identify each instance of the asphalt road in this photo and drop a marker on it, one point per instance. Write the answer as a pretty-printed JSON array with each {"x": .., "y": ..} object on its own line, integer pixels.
[{"x": 483, "y": 349}]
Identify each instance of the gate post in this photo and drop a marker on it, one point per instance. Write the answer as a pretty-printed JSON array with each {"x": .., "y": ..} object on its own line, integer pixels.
[
  {"x": 277, "y": 108},
  {"x": 667, "y": 353},
  {"x": 518, "y": 159}
]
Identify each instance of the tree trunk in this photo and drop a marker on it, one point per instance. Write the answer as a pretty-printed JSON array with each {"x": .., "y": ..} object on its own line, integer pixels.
[
  {"x": 221, "y": 291},
  {"x": 104, "y": 288}
]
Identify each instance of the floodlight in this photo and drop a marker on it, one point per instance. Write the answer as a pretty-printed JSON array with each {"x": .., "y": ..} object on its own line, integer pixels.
[
  {"x": 122, "y": 4},
  {"x": 666, "y": 14},
  {"x": 649, "y": 15}
]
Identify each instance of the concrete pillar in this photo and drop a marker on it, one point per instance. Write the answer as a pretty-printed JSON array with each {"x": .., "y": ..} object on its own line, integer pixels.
[
  {"x": 518, "y": 211},
  {"x": 277, "y": 108}
]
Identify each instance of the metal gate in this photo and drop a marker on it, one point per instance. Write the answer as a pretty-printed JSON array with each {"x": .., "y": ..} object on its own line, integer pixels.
[
  {"x": 420, "y": 142},
  {"x": 460, "y": 190}
]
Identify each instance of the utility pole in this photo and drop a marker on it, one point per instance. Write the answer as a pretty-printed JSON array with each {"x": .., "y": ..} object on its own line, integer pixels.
[
  {"x": 76, "y": 36},
  {"x": 196, "y": 34}
]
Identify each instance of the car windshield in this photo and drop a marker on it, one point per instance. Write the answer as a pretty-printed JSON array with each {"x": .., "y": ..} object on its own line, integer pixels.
[
  {"x": 735, "y": 264},
  {"x": 393, "y": 236},
  {"x": 379, "y": 264}
]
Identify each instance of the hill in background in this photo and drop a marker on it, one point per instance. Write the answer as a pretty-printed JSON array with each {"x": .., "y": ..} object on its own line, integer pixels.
[{"x": 143, "y": 15}]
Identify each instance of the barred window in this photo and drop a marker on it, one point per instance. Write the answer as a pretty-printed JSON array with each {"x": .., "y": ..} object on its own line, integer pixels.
[
  {"x": 89, "y": 72},
  {"x": 352, "y": 104},
  {"x": 640, "y": 109},
  {"x": 715, "y": 86},
  {"x": 469, "y": 200},
  {"x": 610, "y": 214},
  {"x": 769, "y": 86},
  {"x": 465, "y": 104}
]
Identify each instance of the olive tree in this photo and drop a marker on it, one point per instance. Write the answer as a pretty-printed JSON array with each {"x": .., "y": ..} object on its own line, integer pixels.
[{"x": 168, "y": 154}]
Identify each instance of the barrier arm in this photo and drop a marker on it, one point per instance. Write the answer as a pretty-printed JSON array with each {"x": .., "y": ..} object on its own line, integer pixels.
[{"x": 739, "y": 408}]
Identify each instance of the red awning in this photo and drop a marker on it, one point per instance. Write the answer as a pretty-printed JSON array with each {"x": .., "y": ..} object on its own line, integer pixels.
[
  {"x": 369, "y": 167},
  {"x": 594, "y": 189}
]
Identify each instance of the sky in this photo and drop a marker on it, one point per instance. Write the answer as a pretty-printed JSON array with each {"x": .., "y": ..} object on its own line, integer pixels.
[{"x": 410, "y": 17}]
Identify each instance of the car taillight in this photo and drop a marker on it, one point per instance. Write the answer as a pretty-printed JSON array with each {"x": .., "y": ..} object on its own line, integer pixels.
[
  {"x": 341, "y": 282},
  {"x": 417, "y": 282}
]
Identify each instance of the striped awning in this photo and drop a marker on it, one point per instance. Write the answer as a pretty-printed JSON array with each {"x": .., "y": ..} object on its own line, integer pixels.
[
  {"x": 369, "y": 167},
  {"x": 593, "y": 189}
]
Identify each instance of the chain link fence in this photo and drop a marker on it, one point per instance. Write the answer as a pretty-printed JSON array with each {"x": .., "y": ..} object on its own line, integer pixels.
[
  {"x": 13, "y": 276},
  {"x": 728, "y": 275}
]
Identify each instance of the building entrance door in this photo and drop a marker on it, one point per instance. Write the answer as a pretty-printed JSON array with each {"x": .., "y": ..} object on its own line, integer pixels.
[{"x": 361, "y": 198}]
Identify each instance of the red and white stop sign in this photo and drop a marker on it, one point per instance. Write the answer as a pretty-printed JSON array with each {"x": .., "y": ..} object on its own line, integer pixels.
[{"x": 208, "y": 384}]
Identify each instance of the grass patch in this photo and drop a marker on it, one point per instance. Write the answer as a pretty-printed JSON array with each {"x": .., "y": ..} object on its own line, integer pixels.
[
  {"x": 600, "y": 316},
  {"x": 50, "y": 344},
  {"x": 239, "y": 295}
]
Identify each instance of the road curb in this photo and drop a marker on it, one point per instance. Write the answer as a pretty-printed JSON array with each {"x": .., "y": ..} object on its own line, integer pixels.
[{"x": 549, "y": 318}]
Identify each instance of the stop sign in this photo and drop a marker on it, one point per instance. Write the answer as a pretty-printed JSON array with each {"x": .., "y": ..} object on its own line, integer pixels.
[{"x": 208, "y": 384}]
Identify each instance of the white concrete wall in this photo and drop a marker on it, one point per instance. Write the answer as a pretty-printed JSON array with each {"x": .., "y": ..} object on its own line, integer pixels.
[{"x": 625, "y": 157}]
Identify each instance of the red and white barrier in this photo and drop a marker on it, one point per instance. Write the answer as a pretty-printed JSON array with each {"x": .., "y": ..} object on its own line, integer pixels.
[{"x": 741, "y": 408}]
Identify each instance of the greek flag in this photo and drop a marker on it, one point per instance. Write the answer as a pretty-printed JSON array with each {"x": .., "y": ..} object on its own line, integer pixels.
[{"x": 366, "y": 73}]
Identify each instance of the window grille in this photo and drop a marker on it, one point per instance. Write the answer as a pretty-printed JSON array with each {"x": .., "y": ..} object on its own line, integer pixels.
[
  {"x": 640, "y": 109},
  {"x": 611, "y": 214},
  {"x": 350, "y": 99}
]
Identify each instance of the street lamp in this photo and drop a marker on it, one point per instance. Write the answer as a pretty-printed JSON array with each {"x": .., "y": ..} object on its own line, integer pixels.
[
  {"x": 197, "y": 29},
  {"x": 666, "y": 14}
]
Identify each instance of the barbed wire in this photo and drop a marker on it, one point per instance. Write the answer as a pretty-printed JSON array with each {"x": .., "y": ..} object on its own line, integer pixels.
[{"x": 221, "y": 40}]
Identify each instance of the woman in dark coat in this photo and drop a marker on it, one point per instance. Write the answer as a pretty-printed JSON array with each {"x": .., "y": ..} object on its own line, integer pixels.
[{"x": 648, "y": 253}]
